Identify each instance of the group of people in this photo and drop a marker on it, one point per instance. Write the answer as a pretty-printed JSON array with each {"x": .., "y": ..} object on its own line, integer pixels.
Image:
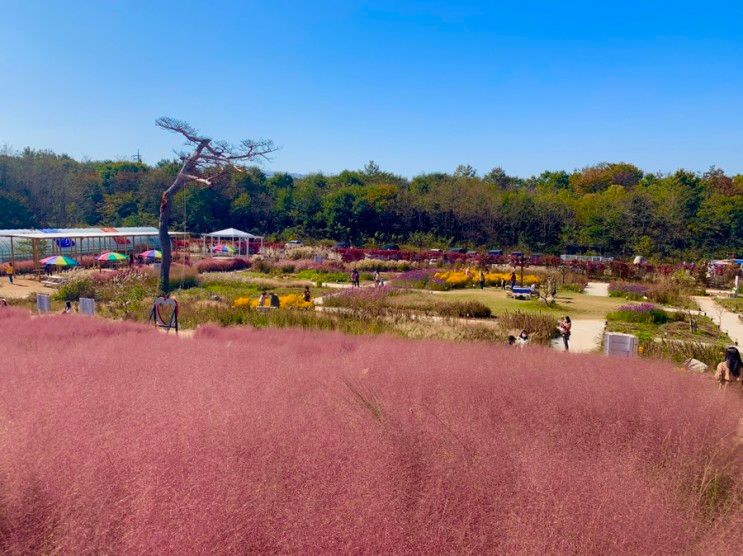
[
  {"x": 355, "y": 279},
  {"x": 563, "y": 326},
  {"x": 521, "y": 340},
  {"x": 269, "y": 300}
]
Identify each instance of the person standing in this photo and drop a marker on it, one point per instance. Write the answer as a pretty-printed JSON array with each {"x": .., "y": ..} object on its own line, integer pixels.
[
  {"x": 513, "y": 280},
  {"x": 564, "y": 326},
  {"x": 10, "y": 271},
  {"x": 355, "y": 280},
  {"x": 729, "y": 370},
  {"x": 377, "y": 279},
  {"x": 482, "y": 279}
]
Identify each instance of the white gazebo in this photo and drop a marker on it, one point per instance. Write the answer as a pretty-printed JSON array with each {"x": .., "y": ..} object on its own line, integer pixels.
[{"x": 240, "y": 240}]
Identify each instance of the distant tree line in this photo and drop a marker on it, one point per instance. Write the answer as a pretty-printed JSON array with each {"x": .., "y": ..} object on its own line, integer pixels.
[{"x": 611, "y": 208}]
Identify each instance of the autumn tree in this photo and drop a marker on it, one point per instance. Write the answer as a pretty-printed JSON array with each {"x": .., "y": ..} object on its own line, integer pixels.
[{"x": 207, "y": 160}]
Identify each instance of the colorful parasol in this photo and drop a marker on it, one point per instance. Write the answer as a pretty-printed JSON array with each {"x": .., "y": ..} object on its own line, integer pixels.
[
  {"x": 221, "y": 248},
  {"x": 111, "y": 256},
  {"x": 59, "y": 260},
  {"x": 152, "y": 254}
]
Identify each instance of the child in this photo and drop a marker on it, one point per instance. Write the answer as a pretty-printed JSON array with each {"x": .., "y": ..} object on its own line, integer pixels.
[
  {"x": 564, "y": 327},
  {"x": 523, "y": 339}
]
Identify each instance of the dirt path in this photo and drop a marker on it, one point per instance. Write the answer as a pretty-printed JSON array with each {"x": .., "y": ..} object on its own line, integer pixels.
[
  {"x": 728, "y": 321},
  {"x": 585, "y": 337},
  {"x": 21, "y": 288},
  {"x": 598, "y": 289}
]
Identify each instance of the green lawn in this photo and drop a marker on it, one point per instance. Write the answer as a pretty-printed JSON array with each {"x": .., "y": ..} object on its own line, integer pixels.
[
  {"x": 734, "y": 305},
  {"x": 577, "y": 305}
]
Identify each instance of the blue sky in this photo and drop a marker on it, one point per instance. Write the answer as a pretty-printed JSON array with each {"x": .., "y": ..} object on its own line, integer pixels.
[{"x": 416, "y": 86}]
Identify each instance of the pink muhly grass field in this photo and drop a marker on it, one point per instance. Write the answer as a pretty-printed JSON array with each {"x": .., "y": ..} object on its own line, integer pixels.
[{"x": 118, "y": 439}]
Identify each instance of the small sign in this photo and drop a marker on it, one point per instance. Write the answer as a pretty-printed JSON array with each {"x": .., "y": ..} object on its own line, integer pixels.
[
  {"x": 620, "y": 344},
  {"x": 87, "y": 306},
  {"x": 43, "y": 303}
]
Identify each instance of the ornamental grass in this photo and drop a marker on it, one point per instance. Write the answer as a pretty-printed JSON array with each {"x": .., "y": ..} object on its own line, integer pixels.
[{"x": 121, "y": 440}]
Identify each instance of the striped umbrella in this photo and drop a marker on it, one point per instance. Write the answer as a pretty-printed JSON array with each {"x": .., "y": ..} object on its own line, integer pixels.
[
  {"x": 59, "y": 260},
  {"x": 111, "y": 256},
  {"x": 152, "y": 254}
]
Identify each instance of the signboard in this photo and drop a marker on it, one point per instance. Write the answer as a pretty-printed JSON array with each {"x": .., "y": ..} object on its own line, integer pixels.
[
  {"x": 87, "y": 306},
  {"x": 43, "y": 303},
  {"x": 620, "y": 344}
]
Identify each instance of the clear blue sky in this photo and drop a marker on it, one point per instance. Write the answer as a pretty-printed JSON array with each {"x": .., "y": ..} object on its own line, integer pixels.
[{"x": 416, "y": 86}]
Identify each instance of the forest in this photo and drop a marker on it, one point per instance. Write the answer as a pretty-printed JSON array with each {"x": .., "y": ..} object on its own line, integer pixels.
[{"x": 613, "y": 209}]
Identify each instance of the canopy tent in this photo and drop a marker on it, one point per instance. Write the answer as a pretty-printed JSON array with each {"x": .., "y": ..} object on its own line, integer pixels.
[
  {"x": 240, "y": 240},
  {"x": 33, "y": 244}
]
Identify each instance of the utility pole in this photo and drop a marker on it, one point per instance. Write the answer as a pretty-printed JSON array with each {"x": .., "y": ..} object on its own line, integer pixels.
[{"x": 137, "y": 157}]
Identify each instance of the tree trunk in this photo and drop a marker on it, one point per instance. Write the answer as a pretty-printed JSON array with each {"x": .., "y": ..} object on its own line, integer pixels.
[{"x": 163, "y": 286}]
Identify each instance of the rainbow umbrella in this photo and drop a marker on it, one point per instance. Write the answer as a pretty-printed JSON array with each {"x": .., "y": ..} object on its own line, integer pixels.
[
  {"x": 221, "y": 248},
  {"x": 58, "y": 260},
  {"x": 111, "y": 256},
  {"x": 152, "y": 254}
]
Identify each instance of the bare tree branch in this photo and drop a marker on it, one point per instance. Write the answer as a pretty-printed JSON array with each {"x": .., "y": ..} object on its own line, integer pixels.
[
  {"x": 205, "y": 181},
  {"x": 208, "y": 161}
]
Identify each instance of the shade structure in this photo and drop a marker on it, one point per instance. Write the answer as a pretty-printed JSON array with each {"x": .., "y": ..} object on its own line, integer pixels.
[
  {"x": 239, "y": 239},
  {"x": 151, "y": 254},
  {"x": 59, "y": 260},
  {"x": 111, "y": 256},
  {"x": 221, "y": 248}
]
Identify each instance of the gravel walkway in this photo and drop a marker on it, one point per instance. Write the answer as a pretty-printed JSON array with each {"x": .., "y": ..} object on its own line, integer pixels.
[{"x": 728, "y": 321}]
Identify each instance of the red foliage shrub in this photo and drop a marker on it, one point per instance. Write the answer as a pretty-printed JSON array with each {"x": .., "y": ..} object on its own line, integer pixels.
[
  {"x": 20, "y": 267},
  {"x": 117, "y": 439},
  {"x": 218, "y": 264}
]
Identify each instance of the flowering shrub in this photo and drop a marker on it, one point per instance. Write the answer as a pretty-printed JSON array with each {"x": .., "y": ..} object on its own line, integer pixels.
[
  {"x": 630, "y": 290},
  {"x": 420, "y": 278},
  {"x": 219, "y": 264},
  {"x": 643, "y": 312},
  {"x": 237, "y": 441},
  {"x": 289, "y": 301},
  {"x": 466, "y": 278}
]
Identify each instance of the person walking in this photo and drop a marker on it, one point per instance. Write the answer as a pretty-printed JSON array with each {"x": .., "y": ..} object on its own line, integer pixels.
[
  {"x": 564, "y": 326},
  {"x": 482, "y": 279},
  {"x": 513, "y": 280},
  {"x": 729, "y": 370},
  {"x": 9, "y": 270},
  {"x": 355, "y": 280}
]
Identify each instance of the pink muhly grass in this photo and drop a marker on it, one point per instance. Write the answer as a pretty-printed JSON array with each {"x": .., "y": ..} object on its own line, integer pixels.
[{"x": 118, "y": 439}]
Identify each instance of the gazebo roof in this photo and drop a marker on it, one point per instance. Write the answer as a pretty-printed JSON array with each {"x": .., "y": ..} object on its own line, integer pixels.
[{"x": 232, "y": 232}]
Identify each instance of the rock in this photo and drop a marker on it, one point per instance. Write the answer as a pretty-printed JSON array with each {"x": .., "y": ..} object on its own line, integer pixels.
[{"x": 695, "y": 366}]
